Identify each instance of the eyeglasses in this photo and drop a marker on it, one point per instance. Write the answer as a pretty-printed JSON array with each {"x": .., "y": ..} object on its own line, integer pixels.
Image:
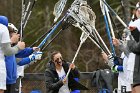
[{"x": 57, "y": 59}]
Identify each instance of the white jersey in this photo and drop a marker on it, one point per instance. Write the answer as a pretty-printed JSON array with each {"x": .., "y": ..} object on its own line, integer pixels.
[
  {"x": 4, "y": 38},
  {"x": 125, "y": 78},
  {"x": 64, "y": 88},
  {"x": 135, "y": 24},
  {"x": 20, "y": 71}
]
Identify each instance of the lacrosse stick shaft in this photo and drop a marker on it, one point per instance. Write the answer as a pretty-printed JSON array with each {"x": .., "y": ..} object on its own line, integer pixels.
[
  {"x": 57, "y": 34},
  {"x": 74, "y": 58},
  {"x": 51, "y": 32},
  {"x": 105, "y": 12},
  {"x": 109, "y": 36},
  {"x": 22, "y": 19},
  {"x": 87, "y": 32},
  {"x": 42, "y": 36},
  {"x": 121, "y": 21},
  {"x": 77, "y": 53},
  {"x": 83, "y": 38},
  {"x": 24, "y": 25},
  {"x": 95, "y": 36},
  {"x": 119, "y": 36},
  {"x": 96, "y": 32},
  {"x": 98, "y": 45},
  {"x": 52, "y": 39},
  {"x": 26, "y": 11},
  {"x": 101, "y": 40},
  {"x": 95, "y": 42},
  {"x": 109, "y": 21}
]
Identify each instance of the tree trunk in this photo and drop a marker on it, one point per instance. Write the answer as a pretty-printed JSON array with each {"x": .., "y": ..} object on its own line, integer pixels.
[{"x": 126, "y": 10}]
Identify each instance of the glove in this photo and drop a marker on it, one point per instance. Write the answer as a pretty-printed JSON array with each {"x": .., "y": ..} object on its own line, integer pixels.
[
  {"x": 35, "y": 56},
  {"x": 117, "y": 68},
  {"x": 110, "y": 61},
  {"x": 114, "y": 69},
  {"x": 127, "y": 32}
]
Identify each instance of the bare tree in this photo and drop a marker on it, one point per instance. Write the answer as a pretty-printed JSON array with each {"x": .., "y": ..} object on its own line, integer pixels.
[{"x": 126, "y": 10}]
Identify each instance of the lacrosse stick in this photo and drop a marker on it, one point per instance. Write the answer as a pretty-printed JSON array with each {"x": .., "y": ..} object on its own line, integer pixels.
[
  {"x": 82, "y": 20},
  {"x": 22, "y": 19},
  {"x": 121, "y": 21},
  {"x": 104, "y": 10},
  {"x": 58, "y": 9},
  {"x": 82, "y": 40}
]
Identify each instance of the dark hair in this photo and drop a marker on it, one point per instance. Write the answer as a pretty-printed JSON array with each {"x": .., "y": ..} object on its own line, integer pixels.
[
  {"x": 136, "y": 8},
  {"x": 54, "y": 53},
  {"x": 11, "y": 29}
]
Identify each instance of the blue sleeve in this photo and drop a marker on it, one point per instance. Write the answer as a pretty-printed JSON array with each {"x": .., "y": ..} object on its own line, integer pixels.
[
  {"x": 24, "y": 61},
  {"x": 24, "y": 53},
  {"x": 76, "y": 91},
  {"x": 118, "y": 60},
  {"x": 120, "y": 68}
]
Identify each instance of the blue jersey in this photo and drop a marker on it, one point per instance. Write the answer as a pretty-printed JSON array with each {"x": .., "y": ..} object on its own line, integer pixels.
[{"x": 11, "y": 64}]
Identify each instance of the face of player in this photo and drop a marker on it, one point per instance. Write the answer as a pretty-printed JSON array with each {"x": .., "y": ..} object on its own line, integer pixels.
[
  {"x": 57, "y": 59},
  {"x": 14, "y": 37},
  {"x": 138, "y": 13}
]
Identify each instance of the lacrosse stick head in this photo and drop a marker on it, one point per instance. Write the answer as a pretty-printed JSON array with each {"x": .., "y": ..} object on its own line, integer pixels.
[
  {"x": 58, "y": 9},
  {"x": 87, "y": 14},
  {"x": 84, "y": 36},
  {"x": 83, "y": 2},
  {"x": 82, "y": 13}
]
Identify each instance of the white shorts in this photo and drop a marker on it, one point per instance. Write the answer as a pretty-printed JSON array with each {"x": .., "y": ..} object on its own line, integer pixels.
[
  {"x": 125, "y": 79},
  {"x": 119, "y": 91},
  {"x": 2, "y": 75},
  {"x": 130, "y": 77}
]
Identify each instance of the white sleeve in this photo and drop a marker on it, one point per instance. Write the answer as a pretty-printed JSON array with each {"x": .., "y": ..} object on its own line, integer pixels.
[
  {"x": 5, "y": 36},
  {"x": 135, "y": 24},
  {"x": 8, "y": 50}
]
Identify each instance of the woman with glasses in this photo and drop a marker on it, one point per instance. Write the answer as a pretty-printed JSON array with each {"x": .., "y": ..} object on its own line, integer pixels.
[{"x": 55, "y": 74}]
